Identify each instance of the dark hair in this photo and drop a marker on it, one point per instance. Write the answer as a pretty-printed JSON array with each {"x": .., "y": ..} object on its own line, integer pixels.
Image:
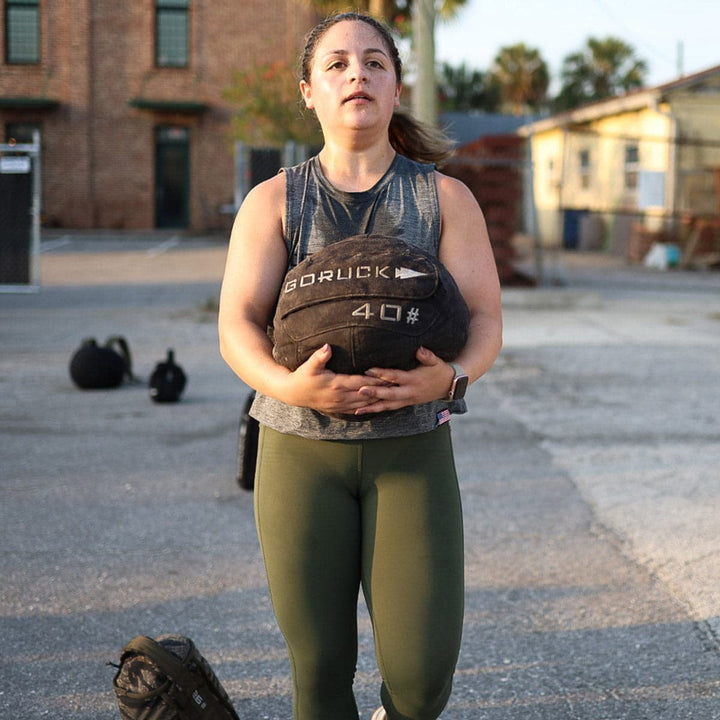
[
  {"x": 408, "y": 136},
  {"x": 317, "y": 33}
]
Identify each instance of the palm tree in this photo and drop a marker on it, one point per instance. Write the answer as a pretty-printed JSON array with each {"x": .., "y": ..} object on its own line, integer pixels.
[
  {"x": 461, "y": 89},
  {"x": 604, "y": 68},
  {"x": 522, "y": 78}
]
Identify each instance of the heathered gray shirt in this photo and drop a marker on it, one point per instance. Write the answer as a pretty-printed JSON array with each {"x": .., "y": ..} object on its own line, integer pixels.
[{"x": 403, "y": 204}]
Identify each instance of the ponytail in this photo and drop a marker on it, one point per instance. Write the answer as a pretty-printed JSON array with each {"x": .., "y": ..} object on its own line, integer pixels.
[{"x": 417, "y": 140}]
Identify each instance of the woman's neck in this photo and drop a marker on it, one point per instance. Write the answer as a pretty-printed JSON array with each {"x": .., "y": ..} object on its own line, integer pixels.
[{"x": 353, "y": 170}]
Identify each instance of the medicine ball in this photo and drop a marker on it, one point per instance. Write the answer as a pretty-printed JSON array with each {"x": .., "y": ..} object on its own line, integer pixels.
[{"x": 376, "y": 300}]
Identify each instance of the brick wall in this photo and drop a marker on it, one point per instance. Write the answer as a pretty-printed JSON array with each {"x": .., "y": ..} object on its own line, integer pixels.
[
  {"x": 492, "y": 168},
  {"x": 99, "y": 150}
]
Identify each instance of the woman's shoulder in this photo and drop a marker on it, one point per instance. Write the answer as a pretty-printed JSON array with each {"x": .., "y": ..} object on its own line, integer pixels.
[
  {"x": 263, "y": 208},
  {"x": 452, "y": 189},
  {"x": 268, "y": 193},
  {"x": 459, "y": 208}
]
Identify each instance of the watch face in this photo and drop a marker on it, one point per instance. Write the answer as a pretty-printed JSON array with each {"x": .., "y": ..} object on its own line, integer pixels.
[{"x": 460, "y": 386}]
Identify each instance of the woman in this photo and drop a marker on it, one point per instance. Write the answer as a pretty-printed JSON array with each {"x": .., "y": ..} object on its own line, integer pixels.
[{"x": 372, "y": 502}]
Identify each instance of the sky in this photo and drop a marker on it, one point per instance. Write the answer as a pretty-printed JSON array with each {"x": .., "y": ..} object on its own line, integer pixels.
[{"x": 667, "y": 34}]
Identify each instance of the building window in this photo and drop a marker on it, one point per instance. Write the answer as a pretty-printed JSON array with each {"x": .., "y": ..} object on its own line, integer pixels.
[
  {"x": 632, "y": 166},
  {"x": 22, "y": 32},
  {"x": 171, "y": 33},
  {"x": 584, "y": 158}
]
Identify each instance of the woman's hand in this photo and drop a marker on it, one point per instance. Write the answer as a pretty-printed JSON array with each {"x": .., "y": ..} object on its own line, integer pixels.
[
  {"x": 313, "y": 385},
  {"x": 429, "y": 381}
]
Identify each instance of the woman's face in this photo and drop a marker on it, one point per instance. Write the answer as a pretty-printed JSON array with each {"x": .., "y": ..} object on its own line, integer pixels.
[{"x": 352, "y": 83}]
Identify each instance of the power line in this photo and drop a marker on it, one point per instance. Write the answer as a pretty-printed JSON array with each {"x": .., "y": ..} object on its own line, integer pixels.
[{"x": 625, "y": 29}]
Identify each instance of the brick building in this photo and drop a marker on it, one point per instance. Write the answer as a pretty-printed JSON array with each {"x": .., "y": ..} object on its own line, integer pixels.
[{"x": 127, "y": 98}]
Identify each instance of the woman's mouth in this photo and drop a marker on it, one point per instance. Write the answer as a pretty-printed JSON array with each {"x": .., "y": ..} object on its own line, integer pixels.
[{"x": 358, "y": 96}]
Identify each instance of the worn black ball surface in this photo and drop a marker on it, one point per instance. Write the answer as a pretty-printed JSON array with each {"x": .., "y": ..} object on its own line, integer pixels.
[{"x": 375, "y": 300}]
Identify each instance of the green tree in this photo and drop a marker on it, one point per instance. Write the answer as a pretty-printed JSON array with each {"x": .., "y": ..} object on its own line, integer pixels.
[
  {"x": 461, "y": 89},
  {"x": 521, "y": 77},
  {"x": 267, "y": 110},
  {"x": 604, "y": 68}
]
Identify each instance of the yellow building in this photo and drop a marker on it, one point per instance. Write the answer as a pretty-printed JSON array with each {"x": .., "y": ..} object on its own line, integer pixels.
[{"x": 642, "y": 165}]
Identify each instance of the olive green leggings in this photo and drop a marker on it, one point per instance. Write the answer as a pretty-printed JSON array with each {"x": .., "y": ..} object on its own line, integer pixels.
[{"x": 385, "y": 513}]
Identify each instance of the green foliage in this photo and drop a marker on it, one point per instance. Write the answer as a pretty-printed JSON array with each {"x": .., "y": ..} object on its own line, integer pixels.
[
  {"x": 461, "y": 89},
  {"x": 521, "y": 77},
  {"x": 518, "y": 79},
  {"x": 267, "y": 109},
  {"x": 604, "y": 68}
]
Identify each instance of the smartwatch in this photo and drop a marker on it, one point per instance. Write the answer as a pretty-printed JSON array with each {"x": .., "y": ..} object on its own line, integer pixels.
[{"x": 459, "y": 384}]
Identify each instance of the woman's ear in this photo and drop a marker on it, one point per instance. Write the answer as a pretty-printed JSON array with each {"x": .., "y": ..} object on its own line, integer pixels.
[
  {"x": 306, "y": 92},
  {"x": 397, "y": 94}
]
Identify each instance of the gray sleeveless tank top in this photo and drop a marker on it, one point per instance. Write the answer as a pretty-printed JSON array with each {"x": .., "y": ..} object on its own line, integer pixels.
[{"x": 404, "y": 204}]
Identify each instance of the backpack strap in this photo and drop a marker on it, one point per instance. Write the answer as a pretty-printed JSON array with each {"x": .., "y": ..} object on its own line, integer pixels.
[
  {"x": 164, "y": 659},
  {"x": 204, "y": 683},
  {"x": 124, "y": 349}
]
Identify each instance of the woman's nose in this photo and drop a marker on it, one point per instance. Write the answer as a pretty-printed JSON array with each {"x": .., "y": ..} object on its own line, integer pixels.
[{"x": 357, "y": 71}]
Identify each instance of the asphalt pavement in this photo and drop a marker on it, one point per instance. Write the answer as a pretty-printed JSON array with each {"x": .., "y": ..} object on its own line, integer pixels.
[{"x": 589, "y": 465}]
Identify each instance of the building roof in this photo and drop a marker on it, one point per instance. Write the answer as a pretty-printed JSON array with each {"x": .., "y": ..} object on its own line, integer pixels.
[
  {"x": 464, "y": 127},
  {"x": 633, "y": 100}
]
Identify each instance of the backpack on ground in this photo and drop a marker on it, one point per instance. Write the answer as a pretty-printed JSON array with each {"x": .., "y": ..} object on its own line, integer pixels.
[
  {"x": 95, "y": 367},
  {"x": 168, "y": 679}
]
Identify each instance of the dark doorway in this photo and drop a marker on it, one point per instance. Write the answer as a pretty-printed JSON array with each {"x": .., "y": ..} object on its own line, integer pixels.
[
  {"x": 16, "y": 202},
  {"x": 172, "y": 177},
  {"x": 571, "y": 227},
  {"x": 264, "y": 164}
]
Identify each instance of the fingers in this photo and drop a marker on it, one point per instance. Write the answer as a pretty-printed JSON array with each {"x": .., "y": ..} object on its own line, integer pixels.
[
  {"x": 316, "y": 386},
  {"x": 427, "y": 357},
  {"x": 425, "y": 383},
  {"x": 319, "y": 359},
  {"x": 317, "y": 364},
  {"x": 378, "y": 389},
  {"x": 422, "y": 355}
]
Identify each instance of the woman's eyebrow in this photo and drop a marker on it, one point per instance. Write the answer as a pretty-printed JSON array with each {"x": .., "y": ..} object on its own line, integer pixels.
[{"x": 367, "y": 51}]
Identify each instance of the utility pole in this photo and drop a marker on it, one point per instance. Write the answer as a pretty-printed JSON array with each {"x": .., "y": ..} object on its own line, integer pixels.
[
  {"x": 424, "y": 93},
  {"x": 680, "y": 59}
]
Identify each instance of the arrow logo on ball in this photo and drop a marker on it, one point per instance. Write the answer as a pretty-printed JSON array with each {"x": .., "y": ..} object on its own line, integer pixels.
[{"x": 403, "y": 273}]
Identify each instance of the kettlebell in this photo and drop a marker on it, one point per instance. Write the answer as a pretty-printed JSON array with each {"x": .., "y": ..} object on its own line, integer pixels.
[{"x": 167, "y": 380}]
